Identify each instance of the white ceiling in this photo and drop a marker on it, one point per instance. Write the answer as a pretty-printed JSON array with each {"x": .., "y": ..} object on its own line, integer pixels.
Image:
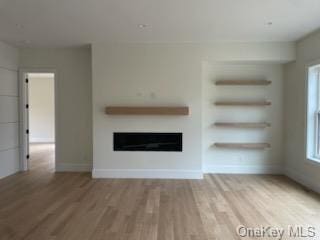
[{"x": 78, "y": 22}]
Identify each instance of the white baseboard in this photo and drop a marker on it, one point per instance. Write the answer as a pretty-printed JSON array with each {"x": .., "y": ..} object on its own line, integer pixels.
[
  {"x": 41, "y": 140},
  {"x": 147, "y": 173},
  {"x": 303, "y": 179},
  {"x": 236, "y": 169},
  {"x": 73, "y": 167}
]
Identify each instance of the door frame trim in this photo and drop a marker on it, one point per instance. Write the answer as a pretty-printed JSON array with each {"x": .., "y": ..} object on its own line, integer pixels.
[{"x": 24, "y": 125}]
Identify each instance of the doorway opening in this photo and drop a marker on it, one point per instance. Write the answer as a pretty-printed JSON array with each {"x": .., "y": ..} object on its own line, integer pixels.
[{"x": 38, "y": 121}]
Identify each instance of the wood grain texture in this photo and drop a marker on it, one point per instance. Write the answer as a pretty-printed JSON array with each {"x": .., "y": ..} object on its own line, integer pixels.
[
  {"x": 243, "y": 103},
  {"x": 111, "y": 110},
  {"x": 243, "y": 145},
  {"x": 242, "y": 124},
  {"x": 43, "y": 205},
  {"x": 243, "y": 82}
]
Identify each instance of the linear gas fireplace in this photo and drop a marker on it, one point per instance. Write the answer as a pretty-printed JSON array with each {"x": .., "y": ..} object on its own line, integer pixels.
[{"x": 143, "y": 141}]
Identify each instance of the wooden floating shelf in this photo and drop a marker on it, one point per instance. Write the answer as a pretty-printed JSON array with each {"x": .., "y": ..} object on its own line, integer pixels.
[
  {"x": 242, "y": 124},
  {"x": 243, "y": 103},
  {"x": 125, "y": 110},
  {"x": 243, "y": 145},
  {"x": 243, "y": 82}
]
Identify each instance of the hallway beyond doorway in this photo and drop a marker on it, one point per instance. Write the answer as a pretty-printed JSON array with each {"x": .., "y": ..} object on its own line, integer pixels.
[{"x": 42, "y": 156}]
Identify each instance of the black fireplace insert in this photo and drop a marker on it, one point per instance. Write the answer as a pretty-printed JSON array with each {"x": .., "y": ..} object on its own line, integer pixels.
[{"x": 144, "y": 141}]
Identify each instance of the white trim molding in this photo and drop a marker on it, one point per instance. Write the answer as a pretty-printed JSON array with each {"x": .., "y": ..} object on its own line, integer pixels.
[
  {"x": 24, "y": 118},
  {"x": 147, "y": 173},
  {"x": 303, "y": 179},
  {"x": 236, "y": 169},
  {"x": 73, "y": 167},
  {"x": 41, "y": 140}
]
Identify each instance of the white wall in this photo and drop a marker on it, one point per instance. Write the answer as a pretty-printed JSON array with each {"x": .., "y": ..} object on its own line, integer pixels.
[
  {"x": 9, "y": 118},
  {"x": 298, "y": 167},
  {"x": 131, "y": 74},
  {"x": 74, "y": 124},
  {"x": 41, "y": 108},
  {"x": 221, "y": 160}
]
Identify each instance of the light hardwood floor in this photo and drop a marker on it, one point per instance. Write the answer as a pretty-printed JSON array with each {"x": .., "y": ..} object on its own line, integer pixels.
[{"x": 43, "y": 205}]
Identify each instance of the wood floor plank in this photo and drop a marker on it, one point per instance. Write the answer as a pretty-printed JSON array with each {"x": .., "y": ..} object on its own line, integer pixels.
[{"x": 43, "y": 205}]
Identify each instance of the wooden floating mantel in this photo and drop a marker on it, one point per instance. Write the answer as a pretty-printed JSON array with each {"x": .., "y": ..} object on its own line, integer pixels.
[
  {"x": 242, "y": 124},
  {"x": 243, "y": 103},
  {"x": 243, "y": 145},
  {"x": 126, "y": 110},
  {"x": 243, "y": 82}
]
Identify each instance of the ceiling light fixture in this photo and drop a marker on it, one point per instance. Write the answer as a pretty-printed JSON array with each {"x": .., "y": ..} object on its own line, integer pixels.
[
  {"x": 142, "y": 25},
  {"x": 19, "y": 26}
]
